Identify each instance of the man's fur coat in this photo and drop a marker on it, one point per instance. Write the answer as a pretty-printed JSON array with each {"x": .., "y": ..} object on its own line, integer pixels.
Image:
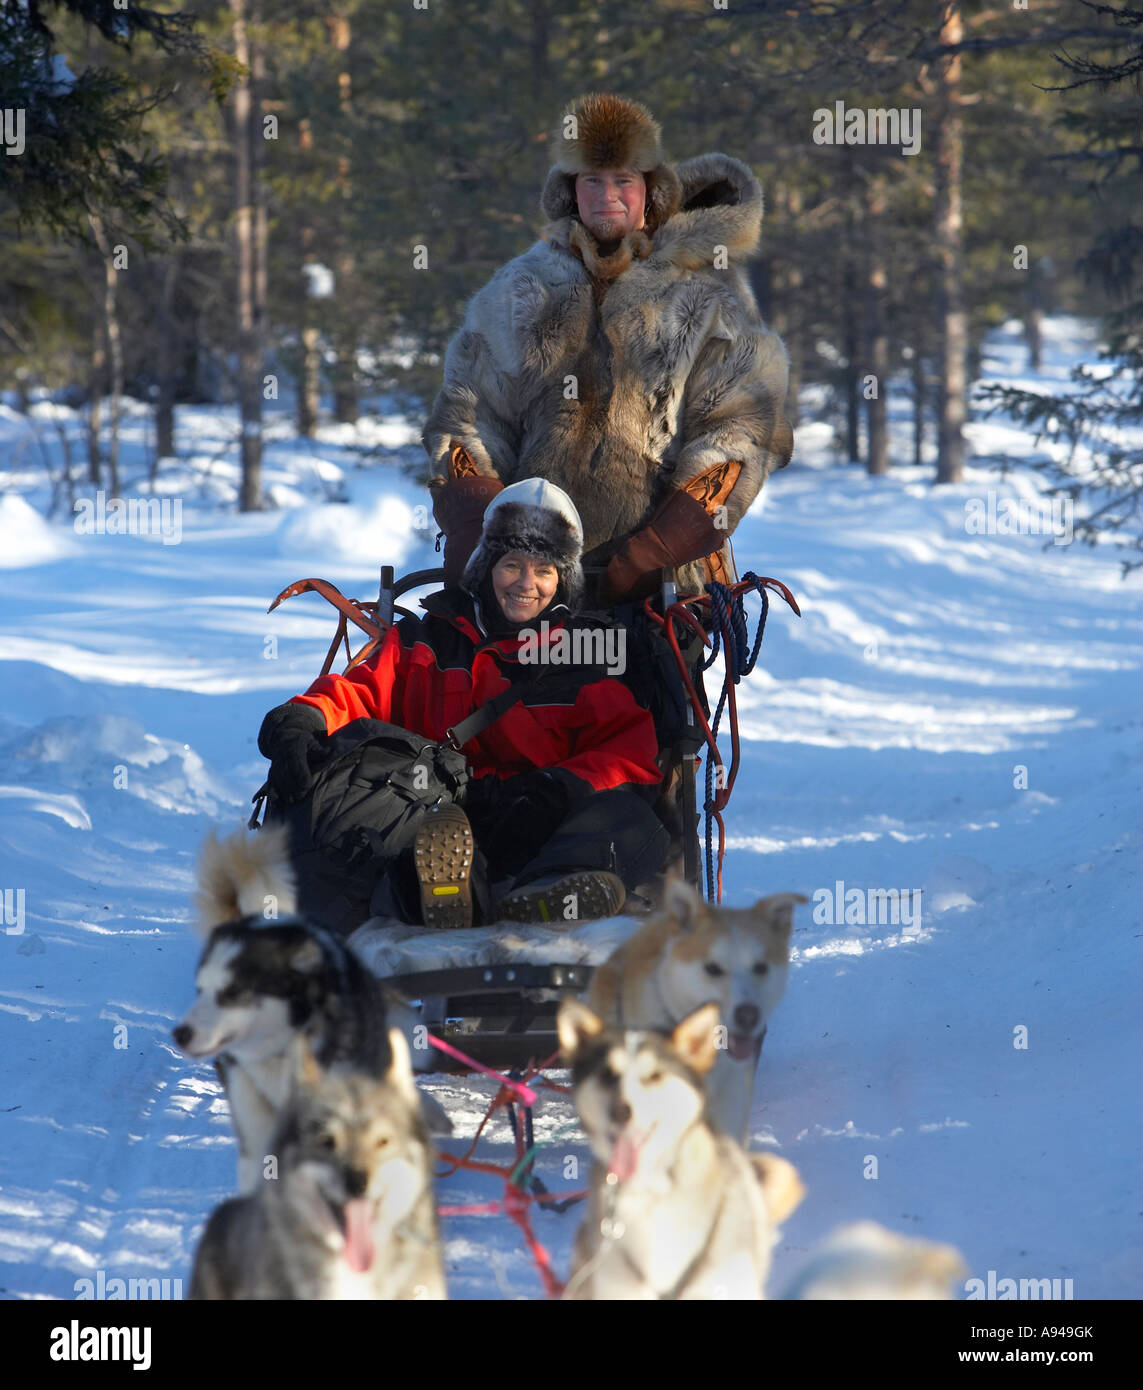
[{"x": 618, "y": 377}]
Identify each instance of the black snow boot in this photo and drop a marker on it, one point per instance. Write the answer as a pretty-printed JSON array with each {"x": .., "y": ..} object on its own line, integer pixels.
[
  {"x": 563, "y": 900},
  {"x": 443, "y": 852}
]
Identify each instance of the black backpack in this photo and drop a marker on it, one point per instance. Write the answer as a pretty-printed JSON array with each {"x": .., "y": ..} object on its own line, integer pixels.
[{"x": 363, "y": 809}]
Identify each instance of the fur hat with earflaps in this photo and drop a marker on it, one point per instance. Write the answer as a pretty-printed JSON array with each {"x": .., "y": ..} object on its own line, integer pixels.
[
  {"x": 536, "y": 518},
  {"x": 601, "y": 131}
]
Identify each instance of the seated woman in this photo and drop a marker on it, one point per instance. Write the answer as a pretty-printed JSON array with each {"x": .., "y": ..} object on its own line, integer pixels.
[{"x": 556, "y": 822}]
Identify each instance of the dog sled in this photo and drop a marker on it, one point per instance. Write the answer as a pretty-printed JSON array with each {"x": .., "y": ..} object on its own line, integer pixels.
[{"x": 489, "y": 1002}]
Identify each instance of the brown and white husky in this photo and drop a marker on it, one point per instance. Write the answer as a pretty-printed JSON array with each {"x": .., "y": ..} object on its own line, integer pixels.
[{"x": 689, "y": 953}]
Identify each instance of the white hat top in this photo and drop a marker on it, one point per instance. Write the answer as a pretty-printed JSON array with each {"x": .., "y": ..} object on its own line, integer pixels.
[{"x": 538, "y": 492}]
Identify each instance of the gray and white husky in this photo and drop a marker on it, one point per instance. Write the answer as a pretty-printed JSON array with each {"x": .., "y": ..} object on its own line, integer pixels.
[
  {"x": 262, "y": 981},
  {"x": 676, "y": 1209},
  {"x": 346, "y": 1209}
]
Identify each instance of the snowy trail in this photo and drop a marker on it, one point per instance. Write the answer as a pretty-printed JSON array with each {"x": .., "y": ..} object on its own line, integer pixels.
[{"x": 883, "y": 742}]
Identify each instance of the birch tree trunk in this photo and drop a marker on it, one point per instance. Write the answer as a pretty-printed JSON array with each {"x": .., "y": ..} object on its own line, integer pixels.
[
  {"x": 918, "y": 372},
  {"x": 309, "y": 379},
  {"x": 851, "y": 347},
  {"x": 165, "y": 401},
  {"x": 250, "y": 277},
  {"x": 878, "y": 296},
  {"x": 345, "y": 385},
  {"x": 952, "y": 327},
  {"x": 114, "y": 344},
  {"x": 95, "y": 404},
  {"x": 788, "y": 318},
  {"x": 851, "y": 335}
]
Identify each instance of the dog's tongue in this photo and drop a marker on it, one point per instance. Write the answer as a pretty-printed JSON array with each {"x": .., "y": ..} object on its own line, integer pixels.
[
  {"x": 625, "y": 1156},
  {"x": 740, "y": 1046},
  {"x": 359, "y": 1234}
]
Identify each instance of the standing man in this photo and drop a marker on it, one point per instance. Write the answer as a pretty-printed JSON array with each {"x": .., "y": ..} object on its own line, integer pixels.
[{"x": 623, "y": 358}]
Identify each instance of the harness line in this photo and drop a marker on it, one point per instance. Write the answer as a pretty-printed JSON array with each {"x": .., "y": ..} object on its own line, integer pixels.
[
  {"x": 728, "y": 626},
  {"x": 517, "y": 1200}
]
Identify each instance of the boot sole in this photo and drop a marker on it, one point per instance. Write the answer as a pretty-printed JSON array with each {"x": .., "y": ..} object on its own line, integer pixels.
[
  {"x": 442, "y": 851},
  {"x": 594, "y": 896}
]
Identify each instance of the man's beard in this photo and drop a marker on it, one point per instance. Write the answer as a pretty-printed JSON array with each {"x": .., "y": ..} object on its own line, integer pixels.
[{"x": 608, "y": 228}]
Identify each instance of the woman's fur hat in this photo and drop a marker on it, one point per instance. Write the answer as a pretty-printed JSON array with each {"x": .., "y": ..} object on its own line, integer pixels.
[
  {"x": 536, "y": 518},
  {"x": 601, "y": 131}
]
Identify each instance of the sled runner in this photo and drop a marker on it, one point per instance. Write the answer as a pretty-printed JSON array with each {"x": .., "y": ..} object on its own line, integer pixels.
[{"x": 492, "y": 993}]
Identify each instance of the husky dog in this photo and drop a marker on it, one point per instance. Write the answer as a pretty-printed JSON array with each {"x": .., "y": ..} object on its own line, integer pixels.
[
  {"x": 350, "y": 1212},
  {"x": 865, "y": 1261},
  {"x": 690, "y": 952},
  {"x": 676, "y": 1210},
  {"x": 260, "y": 982}
]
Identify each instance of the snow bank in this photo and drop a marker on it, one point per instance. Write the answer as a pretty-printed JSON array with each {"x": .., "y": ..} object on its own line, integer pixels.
[
  {"x": 26, "y": 538},
  {"x": 351, "y": 533},
  {"x": 115, "y": 753}
]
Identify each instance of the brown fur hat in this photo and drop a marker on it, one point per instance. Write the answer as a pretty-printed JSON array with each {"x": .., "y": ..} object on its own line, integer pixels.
[{"x": 601, "y": 131}]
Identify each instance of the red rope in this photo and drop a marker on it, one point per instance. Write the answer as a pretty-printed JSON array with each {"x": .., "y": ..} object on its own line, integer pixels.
[
  {"x": 465, "y": 1160},
  {"x": 517, "y": 1201},
  {"x": 497, "y": 1208},
  {"x": 526, "y": 1095},
  {"x": 515, "y": 1204}
]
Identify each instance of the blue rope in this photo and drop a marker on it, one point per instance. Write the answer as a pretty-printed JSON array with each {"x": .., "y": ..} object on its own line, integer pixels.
[
  {"x": 728, "y": 615},
  {"x": 764, "y": 594},
  {"x": 709, "y": 804}
]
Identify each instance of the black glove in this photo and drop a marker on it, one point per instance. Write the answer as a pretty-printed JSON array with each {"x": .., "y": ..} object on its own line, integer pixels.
[
  {"x": 294, "y": 738},
  {"x": 519, "y": 815}
]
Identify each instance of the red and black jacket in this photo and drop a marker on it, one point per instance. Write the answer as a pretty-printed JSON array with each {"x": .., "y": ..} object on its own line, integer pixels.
[{"x": 432, "y": 672}]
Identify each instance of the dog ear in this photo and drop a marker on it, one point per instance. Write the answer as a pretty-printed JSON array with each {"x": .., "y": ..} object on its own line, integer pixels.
[
  {"x": 236, "y": 876},
  {"x": 400, "y": 1071},
  {"x": 576, "y": 1024},
  {"x": 780, "y": 1183},
  {"x": 307, "y": 1070},
  {"x": 436, "y": 1116},
  {"x": 778, "y": 910},
  {"x": 682, "y": 903},
  {"x": 695, "y": 1040},
  {"x": 216, "y": 894}
]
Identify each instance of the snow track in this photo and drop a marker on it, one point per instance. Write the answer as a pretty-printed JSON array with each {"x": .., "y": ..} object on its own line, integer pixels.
[{"x": 955, "y": 714}]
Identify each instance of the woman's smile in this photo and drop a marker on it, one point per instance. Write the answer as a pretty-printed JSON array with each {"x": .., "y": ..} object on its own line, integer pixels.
[{"x": 524, "y": 585}]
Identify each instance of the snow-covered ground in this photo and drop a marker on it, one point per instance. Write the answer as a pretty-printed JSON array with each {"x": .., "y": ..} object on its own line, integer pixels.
[{"x": 955, "y": 714}]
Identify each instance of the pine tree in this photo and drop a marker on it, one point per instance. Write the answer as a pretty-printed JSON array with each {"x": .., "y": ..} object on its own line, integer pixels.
[
  {"x": 78, "y": 147},
  {"x": 1094, "y": 424}
]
